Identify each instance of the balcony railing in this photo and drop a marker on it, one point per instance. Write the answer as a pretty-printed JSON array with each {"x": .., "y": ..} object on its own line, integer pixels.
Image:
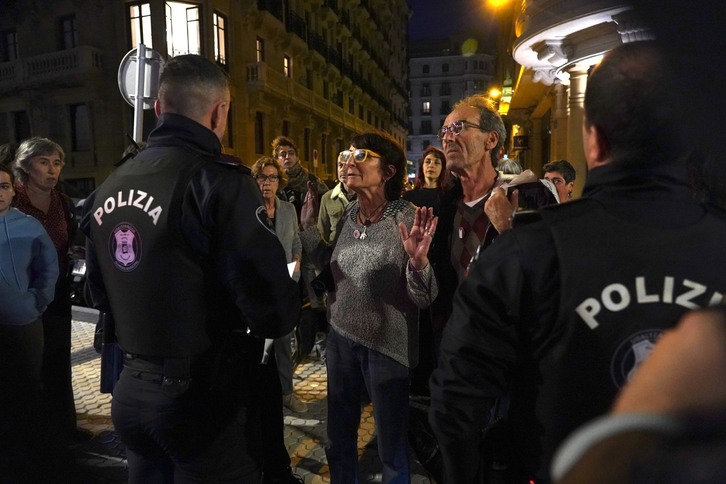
[{"x": 69, "y": 66}]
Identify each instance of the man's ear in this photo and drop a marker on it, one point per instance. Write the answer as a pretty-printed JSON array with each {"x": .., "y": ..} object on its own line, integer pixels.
[
  {"x": 595, "y": 145},
  {"x": 157, "y": 108},
  {"x": 215, "y": 116},
  {"x": 492, "y": 140},
  {"x": 218, "y": 117}
]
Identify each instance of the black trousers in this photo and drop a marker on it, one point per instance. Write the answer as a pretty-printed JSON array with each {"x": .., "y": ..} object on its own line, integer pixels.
[
  {"x": 56, "y": 366},
  {"x": 267, "y": 415},
  {"x": 26, "y": 430},
  {"x": 200, "y": 436}
]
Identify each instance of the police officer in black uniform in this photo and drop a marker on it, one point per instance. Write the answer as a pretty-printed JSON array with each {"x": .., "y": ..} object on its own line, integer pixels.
[
  {"x": 559, "y": 313},
  {"x": 179, "y": 253}
]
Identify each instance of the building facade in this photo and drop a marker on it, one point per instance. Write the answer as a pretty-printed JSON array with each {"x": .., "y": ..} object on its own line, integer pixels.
[
  {"x": 439, "y": 76},
  {"x": 315, "y": 70},
  {"x": 551, "y": 46}
]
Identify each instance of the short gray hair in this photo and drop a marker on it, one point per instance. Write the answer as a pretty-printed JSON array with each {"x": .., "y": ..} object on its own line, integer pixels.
[
  {"x": 29, "y": 149},
  {"x": 489, "y": 120}
]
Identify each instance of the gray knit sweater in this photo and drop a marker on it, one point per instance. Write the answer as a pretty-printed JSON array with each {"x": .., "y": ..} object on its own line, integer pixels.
[{"x": 377, "y": 295}]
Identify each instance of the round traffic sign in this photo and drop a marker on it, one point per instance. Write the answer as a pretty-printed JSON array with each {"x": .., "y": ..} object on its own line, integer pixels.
[{"x": 127, "y": 76}]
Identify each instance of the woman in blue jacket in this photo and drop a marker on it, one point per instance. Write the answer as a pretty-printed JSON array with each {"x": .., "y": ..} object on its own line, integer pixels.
[{"x": 28, "y": 274}]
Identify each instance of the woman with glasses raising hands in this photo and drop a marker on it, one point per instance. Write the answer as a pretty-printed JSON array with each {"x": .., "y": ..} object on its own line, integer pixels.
[{"x": 381, "y": 274}]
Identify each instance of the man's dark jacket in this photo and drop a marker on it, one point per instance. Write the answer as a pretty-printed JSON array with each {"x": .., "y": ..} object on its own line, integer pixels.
[{"x": 559, "y": 313}]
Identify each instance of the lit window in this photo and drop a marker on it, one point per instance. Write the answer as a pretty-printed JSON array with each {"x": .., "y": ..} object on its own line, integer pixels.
[
  {"x": 220, "y": 38},
  {"x": 260, "y": 46},
  {"x": 183, "y": 34},
  {"x": 426, "y": 107},
  {"x": 287, "y": 66},
  {"x": 140, "y": 23}
]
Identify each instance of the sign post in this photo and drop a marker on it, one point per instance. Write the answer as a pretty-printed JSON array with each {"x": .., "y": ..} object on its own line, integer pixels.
[{"x": 138, "y": 81}]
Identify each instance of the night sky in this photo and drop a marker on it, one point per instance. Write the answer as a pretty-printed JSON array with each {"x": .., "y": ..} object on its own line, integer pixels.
[{"x": 440, "y": 19}]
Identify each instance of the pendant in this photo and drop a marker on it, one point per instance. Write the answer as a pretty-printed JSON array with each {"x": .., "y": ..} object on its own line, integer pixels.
[{"x": 363, "y": 235}]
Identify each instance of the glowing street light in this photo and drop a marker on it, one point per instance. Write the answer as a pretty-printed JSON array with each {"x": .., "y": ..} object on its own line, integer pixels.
[{"x": 496, "y": 3}]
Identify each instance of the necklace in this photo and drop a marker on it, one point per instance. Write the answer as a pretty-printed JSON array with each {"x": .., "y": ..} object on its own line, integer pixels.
[{"x": 368, "y": 219}]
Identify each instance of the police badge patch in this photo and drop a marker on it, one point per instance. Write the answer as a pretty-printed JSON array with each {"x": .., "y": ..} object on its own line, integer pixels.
[
  {"x": 125, "y": 247},
  {"x": 631, "y": 354}
]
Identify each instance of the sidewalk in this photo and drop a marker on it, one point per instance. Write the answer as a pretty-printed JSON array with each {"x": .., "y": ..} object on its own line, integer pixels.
[{"x": 103, "y": 457}]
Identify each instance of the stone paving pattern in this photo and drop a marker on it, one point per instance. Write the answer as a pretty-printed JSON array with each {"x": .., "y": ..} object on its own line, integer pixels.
[{"x": 103, "y": 457}]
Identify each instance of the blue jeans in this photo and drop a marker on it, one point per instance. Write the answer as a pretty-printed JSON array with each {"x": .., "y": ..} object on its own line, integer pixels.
[{"x": 350, "y": 365}]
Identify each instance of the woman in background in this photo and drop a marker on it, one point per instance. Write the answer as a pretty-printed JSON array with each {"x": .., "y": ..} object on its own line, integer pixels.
[
  {"x": 270, "y": 177},
  {"x": 28, "y": 274},
  {"x": 38, "y": 165},
  {"x": 269, "y": 395},
  {"x": 431, "y": 180}
]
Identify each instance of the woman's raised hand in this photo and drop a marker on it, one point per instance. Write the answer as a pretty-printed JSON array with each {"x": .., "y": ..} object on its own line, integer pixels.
[{"x": 417, "y": 242}]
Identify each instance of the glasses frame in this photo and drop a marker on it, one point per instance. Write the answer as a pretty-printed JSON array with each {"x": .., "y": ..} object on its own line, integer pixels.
[
  {"x": 346, "y": 154},
  {"x": 451, "y": 128},
  {"x": 263, "y": 178}
]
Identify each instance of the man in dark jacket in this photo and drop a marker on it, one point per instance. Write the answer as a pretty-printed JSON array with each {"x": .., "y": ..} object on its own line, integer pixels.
[
  {"x": 559, "y": 313},
  {"x": 180, "y": 254},
  {"x": 474, "y": 210}
]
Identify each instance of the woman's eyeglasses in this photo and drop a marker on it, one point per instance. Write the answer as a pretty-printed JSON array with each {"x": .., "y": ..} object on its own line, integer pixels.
[
  {"x": 456, "y": 128},
  {"x": 271, "y": 178},
  {"x": 359, "y": 156}
]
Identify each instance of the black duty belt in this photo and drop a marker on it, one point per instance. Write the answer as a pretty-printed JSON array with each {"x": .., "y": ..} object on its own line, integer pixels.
[
  {"x": 175, "y": 372},
  {"x": 147, "y": 364}
]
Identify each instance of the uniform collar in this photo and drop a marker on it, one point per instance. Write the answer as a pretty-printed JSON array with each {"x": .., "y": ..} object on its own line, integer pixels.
[{"x": 176, "y": 130}]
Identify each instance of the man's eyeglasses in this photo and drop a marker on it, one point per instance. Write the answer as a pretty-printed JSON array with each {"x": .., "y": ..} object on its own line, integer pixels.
[
  {"x": 359, "y": 156},
  {"x": 285, "y": 154},
  {"x": 271, "y": 178},
  {"x": 456, "y": 128}
]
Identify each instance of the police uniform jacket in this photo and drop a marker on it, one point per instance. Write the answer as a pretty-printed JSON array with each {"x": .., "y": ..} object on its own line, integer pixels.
[
  {"x": 179, "y": 250},
  {"x": 560, "y": 312}
]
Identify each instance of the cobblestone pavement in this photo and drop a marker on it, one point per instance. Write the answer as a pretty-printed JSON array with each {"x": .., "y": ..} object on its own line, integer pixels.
[{"x": 103, "y": 458}]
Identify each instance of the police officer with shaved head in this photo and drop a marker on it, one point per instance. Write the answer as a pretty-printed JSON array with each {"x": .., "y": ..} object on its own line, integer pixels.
[
  {"x": 557, "y": 315},
  {"x": 179, "y": 253}
]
